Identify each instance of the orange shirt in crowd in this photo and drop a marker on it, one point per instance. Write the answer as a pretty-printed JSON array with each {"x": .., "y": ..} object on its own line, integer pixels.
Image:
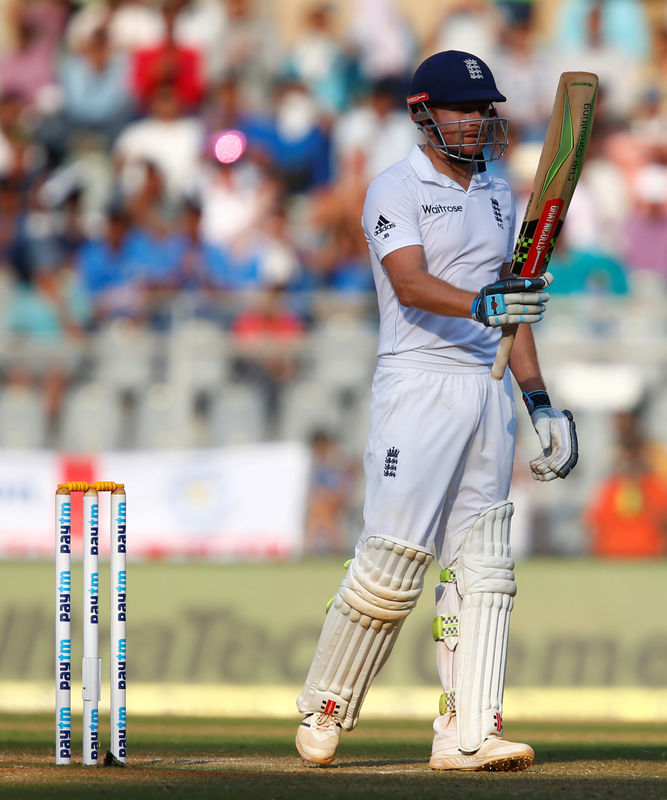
[{"x": 628, "y": 517}]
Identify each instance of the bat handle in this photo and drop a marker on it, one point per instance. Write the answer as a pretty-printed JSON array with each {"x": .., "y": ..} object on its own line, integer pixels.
[{"x": 503, "y": 352}]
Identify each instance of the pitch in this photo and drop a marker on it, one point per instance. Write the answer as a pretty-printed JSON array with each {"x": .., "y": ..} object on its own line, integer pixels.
[{"x": 192, "y": 758}]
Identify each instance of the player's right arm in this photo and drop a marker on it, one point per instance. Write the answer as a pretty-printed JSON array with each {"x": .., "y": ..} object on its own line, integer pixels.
[
  {"x": 507, "y": 301},
  {"x": 415, "y": 287},
  {"x": 391, "y": 222}
]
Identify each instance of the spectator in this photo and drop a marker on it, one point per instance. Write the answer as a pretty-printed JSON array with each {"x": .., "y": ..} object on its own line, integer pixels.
[
  {"x": 622, "y": 25},
  {"x": 16, "y": 253},
  {"x": 474, "y": 26},
  {"x": 20, "y": 156},
  {"x": 529, "y": 79},
  {"x": 40, "y": 310},
  {"x": 330, "y": 492},
  {"x": 627, "y": 516},
  {"x": 297, "y": 144},
  {"x": 337, "y": 253},
  {"x": 85, "y": 180},
  {"x": 150, "y": 207},
  {"x": 178, "y": 266},
  {"x": 277, "y": 256},
  {"x": 107, "y": 268},
  {"x": 131, "y": 24},
  {"x": 595, "y": 49},
  {"x": 236, "y": 199},
  {"x": 168, "y": 63},
  {"x": 167, "y": 137},
  {"x": 202, "y": 25},
  {"x": 12, "y": 130},
  {"x": 95, "y": 82},
  {"x": 516, "y": 11},
  {"x": 646, "y": 228},
  {"x": 57, "y": 227},
  {"x": 647, "y": 127},
  {"x": 318, "y": 60},
  {"x": 203, "y": 267},
  {"x": 249, "y": 50},
  {"x": 157, "y": 245},
  {"x": 139, "y": 24},
  {"x": 267, "y": 338},
  {"x": 45, "y": 309},
  {"x": 266, "y": 259},
  {"x": 606, "y": 194},
  {"x": 374, "y": 131},
  {"x": 28, "y": 67},
  {"x": 225, "y": 109},
  {"x": 382, "y": 41}
]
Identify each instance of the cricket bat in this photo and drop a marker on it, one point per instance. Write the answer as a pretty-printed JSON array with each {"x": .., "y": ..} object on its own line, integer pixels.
[{"x": 557, "y": 174}]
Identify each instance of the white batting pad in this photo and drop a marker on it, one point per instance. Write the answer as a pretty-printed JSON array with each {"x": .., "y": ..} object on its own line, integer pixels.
[
  {"x": 381, "y": 587},
  {"x": 446, "y": 635},
  {"x": 485, "y": 581}
]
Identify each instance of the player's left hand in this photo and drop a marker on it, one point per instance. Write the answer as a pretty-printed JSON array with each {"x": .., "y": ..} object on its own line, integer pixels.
[{"x": 558, "y": 437}]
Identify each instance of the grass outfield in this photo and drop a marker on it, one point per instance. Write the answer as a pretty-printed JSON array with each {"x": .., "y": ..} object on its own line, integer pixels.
[{"x": 245, "y": 758}]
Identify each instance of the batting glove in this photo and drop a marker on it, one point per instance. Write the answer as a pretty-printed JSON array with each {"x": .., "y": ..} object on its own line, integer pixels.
[
  {"x": 510, "y": 301},
  {"x": 557, "y": 434}
]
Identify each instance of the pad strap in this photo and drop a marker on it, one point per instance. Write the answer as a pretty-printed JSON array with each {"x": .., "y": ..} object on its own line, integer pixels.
[
  {"x": 445, "y": 627},
  {"x": 447, "y": 704}
]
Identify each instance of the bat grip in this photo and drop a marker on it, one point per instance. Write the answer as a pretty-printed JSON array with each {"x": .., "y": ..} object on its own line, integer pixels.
[{"x": 503, "y": 352}]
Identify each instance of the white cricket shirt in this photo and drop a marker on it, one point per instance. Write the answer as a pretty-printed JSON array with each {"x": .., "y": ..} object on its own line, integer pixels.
[{"x": 466, "y": 236}]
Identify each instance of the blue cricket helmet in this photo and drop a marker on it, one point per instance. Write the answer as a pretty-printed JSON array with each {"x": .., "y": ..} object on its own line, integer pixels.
[
  {"x": 450, "y": 78},
  {"x": 453, "y": 76}
]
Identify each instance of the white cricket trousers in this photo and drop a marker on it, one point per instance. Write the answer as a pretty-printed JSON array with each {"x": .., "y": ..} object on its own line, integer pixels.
[{"x": 440, "y": 451}]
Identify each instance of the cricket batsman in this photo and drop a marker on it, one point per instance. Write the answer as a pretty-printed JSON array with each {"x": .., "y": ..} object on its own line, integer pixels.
[{"x": 438, "y": 461}]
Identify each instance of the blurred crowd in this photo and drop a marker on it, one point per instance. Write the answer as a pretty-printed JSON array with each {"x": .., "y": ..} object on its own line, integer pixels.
[
  {"x": 155, "y": 150},
  {"x": 119, "y": 187}
]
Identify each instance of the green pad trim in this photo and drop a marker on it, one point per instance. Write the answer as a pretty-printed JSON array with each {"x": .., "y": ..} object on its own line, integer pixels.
[
  {"x": 443, "y": 627},
  {"x": 447, "y": 704}
]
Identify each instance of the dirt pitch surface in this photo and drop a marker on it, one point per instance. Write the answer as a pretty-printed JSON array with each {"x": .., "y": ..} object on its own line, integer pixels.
[{"x": 205, "y": 758}]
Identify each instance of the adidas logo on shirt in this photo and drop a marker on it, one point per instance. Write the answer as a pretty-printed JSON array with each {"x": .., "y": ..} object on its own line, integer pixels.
[{"x": 383, "y": 225}]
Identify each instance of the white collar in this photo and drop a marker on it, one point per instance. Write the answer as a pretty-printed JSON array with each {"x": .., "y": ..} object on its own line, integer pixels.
[{"x": 423, "y": 167}]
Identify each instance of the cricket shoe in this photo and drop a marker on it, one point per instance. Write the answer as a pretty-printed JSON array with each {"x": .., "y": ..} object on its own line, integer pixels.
[
  {"x": 317, "y": 738},
  {"x": 494, "y": 755}
]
